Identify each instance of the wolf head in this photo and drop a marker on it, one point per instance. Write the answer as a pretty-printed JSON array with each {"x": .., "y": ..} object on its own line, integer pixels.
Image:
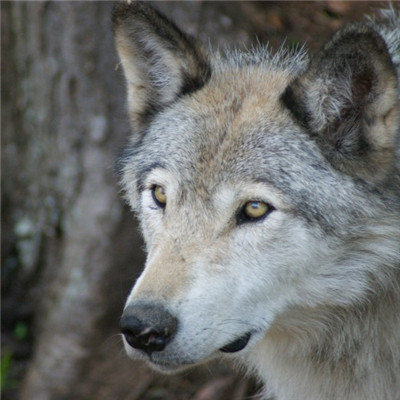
[{"x": 266, "y": 186}]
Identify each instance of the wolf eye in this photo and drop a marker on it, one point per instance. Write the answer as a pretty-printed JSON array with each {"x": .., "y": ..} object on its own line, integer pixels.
[
  {"x": 253, "y": 211},
  {"x": 159, "y": 196}
]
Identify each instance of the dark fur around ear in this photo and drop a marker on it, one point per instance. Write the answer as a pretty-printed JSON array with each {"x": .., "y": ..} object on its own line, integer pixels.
[
  {"x": 348, "y": 100},
  {"x": 160, "y": 62}
]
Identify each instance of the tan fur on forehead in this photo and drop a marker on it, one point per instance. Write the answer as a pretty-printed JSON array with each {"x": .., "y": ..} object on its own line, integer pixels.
[
  {"x": 233, "y": 104},
  {"x": 236, "y": 100},
  {"x": 244, "y": 91}
]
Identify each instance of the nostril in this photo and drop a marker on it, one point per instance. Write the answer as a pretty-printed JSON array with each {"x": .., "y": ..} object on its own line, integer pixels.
[
  {"x": 147, "y": 328},
  {"x": 141, "y": 337},
  {"x": 130, "y": 327},
  {"x": 151, "y": 340}
]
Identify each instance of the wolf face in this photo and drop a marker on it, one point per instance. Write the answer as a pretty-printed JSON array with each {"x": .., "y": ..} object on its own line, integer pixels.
[{"x": 266, "y": 188}]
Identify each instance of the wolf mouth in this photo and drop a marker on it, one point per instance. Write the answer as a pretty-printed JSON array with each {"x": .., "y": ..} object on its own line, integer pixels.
[{"x": 236, "y": 345}]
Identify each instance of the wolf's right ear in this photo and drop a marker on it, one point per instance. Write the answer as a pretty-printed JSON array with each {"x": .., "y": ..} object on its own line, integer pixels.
[
  {"x": 348, "y": 101},
  {"x": 160, "y": 62}
]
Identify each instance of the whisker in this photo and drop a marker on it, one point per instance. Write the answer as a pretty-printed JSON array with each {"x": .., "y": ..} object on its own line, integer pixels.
[{"x": 112, "y": 340}]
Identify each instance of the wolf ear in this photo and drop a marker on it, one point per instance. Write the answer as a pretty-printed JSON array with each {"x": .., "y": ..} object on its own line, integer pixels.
[
  {"x": 348, "y": 100},
  {"x": 160, "y": 62}
]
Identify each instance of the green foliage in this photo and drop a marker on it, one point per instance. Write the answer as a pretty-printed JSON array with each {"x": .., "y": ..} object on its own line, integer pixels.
[
  {"x": 20, "y": 333},
  {"x": 21, "y": 330},
  {"x": 6, "y": 360}
]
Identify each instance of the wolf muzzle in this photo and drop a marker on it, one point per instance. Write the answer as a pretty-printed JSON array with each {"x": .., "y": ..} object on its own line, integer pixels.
[{"x": 147, "y": 327}]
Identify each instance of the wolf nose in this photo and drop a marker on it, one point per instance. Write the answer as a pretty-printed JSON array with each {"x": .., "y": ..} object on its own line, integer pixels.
[{"x": 147, "y": 327}]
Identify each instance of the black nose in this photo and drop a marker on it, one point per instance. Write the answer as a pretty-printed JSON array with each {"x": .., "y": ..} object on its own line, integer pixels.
[{"x": 147, "y": 327}]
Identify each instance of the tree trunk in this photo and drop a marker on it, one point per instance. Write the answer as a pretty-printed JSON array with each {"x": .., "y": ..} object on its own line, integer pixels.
[{"x": 63, "y": 123}]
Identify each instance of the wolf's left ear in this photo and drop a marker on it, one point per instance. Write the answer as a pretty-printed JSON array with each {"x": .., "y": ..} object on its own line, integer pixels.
[
  {"x": 348, "y": 100},
  {"x": 160, "y": 62}
]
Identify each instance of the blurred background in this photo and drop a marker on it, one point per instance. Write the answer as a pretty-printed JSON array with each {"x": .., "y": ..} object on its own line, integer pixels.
[{"x": 70, "y": 247}]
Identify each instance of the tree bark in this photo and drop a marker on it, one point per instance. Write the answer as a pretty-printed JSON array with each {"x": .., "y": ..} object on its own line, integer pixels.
[{"x": 63, "y": 123}]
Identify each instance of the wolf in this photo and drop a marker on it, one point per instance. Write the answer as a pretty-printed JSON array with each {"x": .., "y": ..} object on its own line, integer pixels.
[{"x": 267, "y": 188}]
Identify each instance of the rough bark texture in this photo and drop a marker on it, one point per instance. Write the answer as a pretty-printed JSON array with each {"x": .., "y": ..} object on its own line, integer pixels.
[
  {"x": 63, "y": 121},
  {"x": 70, "y": 249}
]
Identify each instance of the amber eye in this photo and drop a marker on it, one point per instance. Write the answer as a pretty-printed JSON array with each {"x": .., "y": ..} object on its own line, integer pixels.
[
  {"x": 253, "y": 211},
  {"x": 159, "y": 196}
]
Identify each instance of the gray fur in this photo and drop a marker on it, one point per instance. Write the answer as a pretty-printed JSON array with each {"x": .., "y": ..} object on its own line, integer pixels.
[{"x": 318, "y": 137}]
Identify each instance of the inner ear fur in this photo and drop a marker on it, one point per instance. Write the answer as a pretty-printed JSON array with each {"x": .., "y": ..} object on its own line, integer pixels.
[
  {"x": 160, "y": 62},
  {"x": 348, "y": 101}
]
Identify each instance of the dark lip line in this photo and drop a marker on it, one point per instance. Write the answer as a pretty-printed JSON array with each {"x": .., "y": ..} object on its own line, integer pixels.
[
  {"x": 237, "y": 345},
  {"x": 232, "y": 347}
]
